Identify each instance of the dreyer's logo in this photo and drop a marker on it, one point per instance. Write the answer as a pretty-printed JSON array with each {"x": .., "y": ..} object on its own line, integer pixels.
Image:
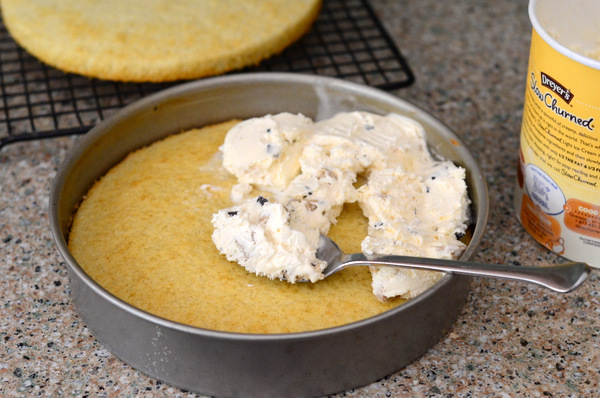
[
  {"x": 553, "y": 104},
  {"x": 557, "y": 88}
]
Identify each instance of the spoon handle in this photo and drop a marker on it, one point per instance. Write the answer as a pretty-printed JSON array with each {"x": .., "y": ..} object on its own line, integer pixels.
[{"x": 561, "y": 278}]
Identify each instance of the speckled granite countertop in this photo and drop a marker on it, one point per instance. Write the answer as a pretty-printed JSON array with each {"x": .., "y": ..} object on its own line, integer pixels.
[{"x": 469, "y": 58}]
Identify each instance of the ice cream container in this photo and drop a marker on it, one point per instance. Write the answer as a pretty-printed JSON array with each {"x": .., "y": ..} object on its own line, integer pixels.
[{"x": 557, "y": 198}]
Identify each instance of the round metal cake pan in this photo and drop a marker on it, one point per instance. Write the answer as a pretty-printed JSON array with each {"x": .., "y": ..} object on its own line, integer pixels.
[{"x": 233, "y": 364}]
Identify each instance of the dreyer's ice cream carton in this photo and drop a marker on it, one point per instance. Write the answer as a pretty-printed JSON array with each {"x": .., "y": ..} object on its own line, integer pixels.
[{"x": 557, "y": 198}]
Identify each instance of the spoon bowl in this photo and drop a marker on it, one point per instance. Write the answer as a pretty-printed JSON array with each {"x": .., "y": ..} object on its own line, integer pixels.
[{"x": 561, "y": 278}]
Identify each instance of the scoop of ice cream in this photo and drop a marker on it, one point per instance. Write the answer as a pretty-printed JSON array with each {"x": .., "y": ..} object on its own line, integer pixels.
[
  {"x": 257, "y": 235},
  {"x": 387, "y": 139},
  {"x": 421, "y": 213},
  {"x": 264, "y": 151}
]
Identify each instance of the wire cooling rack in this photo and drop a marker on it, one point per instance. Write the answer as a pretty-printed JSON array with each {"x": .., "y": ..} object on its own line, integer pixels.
[{"x": 37, "y": 101}]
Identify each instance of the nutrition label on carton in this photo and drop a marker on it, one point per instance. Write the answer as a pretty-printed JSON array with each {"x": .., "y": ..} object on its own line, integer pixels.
[{"x": 558, "y": 192}]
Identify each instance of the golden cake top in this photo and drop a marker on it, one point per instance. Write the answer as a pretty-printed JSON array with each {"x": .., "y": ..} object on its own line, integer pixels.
[{"x": 156, "y": 40}]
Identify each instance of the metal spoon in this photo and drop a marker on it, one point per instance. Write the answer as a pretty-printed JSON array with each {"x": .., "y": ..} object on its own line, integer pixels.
[{"x": 561, "y": 278}]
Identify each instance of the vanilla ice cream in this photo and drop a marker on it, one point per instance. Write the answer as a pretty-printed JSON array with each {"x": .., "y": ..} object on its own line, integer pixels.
[
  {"x": 416, "y": 205},
  {"x": 265, "y": 151},
  {"x": 258, "y": 236}
]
